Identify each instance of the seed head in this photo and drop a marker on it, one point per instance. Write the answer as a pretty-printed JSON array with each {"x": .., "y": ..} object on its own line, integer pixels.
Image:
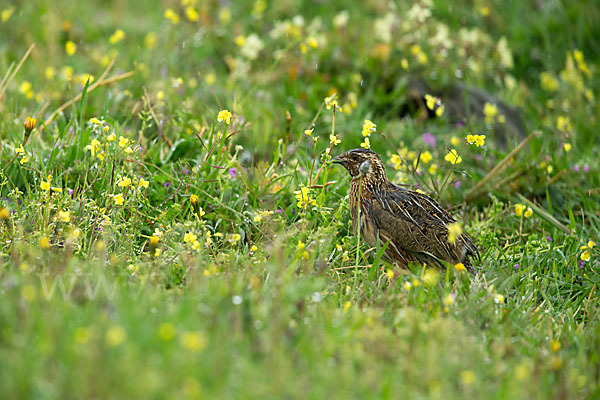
[{"x": 365, "y": 167}]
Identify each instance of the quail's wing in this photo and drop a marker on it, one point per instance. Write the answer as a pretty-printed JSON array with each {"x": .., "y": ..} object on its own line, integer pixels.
[{"x": 415, "y": 222}]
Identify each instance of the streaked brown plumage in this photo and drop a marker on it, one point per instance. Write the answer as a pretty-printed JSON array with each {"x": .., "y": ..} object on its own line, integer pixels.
[{"x": 415, "y": 225}]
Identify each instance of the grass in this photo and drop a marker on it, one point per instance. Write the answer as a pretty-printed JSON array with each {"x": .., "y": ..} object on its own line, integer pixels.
[{"x": 150, "y": 249}]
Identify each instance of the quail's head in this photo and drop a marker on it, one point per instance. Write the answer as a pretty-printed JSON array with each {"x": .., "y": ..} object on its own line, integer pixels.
[{"x": 361, "y": 162}]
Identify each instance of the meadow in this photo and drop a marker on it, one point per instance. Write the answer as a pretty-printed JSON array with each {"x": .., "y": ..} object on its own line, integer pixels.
[{"x": 171, "y": 224}]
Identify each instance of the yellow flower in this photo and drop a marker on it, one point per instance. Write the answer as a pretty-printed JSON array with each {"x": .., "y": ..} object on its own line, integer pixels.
[
  {"x": 25, "y": 87},
  {"x": 347, "y": 305},
  {"x": 312, "y": 42},
  {"x": 253, "y": 248},
  {"x": 150, "y": 40},
  {"x": 45, "y": 243},
  {"x": 189, "y": 237},
  {"x": 239, "y": 40},
  {"x": 334, "y": 140},
  {"x": 453, "y": 157},
  {"x": 522, "y": 372},
  {"x": 548, "y": 82},
  {"x": 125, "y": 182},
  {"x": 143, "y": 183},
  {"x": 478, "y": 140},
  {"x": 390, "y": 274},
  {"x": 300, "y": 245},
  {"x": 555, "y": 346},
  {"x": 20, "y": 150},
  {"x": 123, "y": 141},
  {"x": 308, "y": 132},
  {"x": 224, "y": 115},
  {"x": 171, "y": 16},
  {"x": 556, "y": 363},
  {"x": 528, "y": 213},
  {"x": 132, "y": 268},
  {"x": 331, "y": 102},
  {"x": 430, "y": 278},
  {"x": 591, "y": 244},
  {"x": 434, "y": 103},
  {"x": 368, "y": 128},
  {"x": 83, "y": 335},
  {"x": 490, "y": 111},
  {"x": 585, "y": 256},
  {"x": 29, "y": 124},
  {"x": 119, "y": 199},
  {"x": 564, "y": 124},
  {"x": 29, "y": 293},
  {"x": 166, "y": 331},
  {"x": 193, "y": 341},
  {"x": 567, "y": 147},
  {"x": 95, "y": 148},
  {"x": 68, "y": 72},
  {"x": 366, "y": 144},
  {"x": 396, "y": 160},
  {"x": 448, "y": 300},
  {"x": 4, "y": 214},
  {"x": 115, "y": 335},
  {"x": 49, "y": 72},
  {"x": 153, "y": 241},
  {"x": 210, "y": 79},
  {"x": 455, "y": 141},
  {"x": 117, "y": 36},
  {"x": 303, "y": 197},
  {"x": 70, "y": 47},
  {"x": 578, "y": 56},
  {"x": 519, "y": 208},
  {"x": 64, "y": 216},
  {"x": 426, "y": 157},
  {"x": 6, "y": 13},
  {"x": 45, "y": 185},
  {"x": 467, "y": 377},
  {"x": 498, "y": 298},
  {"x": 460, "y": 267},
  {"x": 191, "y": 14},
  {"x": 454, "y": 232}
]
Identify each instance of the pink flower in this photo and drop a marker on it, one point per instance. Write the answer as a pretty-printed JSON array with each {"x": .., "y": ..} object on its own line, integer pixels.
[{"x": 429, "y": 139}]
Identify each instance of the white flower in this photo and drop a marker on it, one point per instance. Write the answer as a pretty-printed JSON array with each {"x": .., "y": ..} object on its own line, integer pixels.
[
  {"x": 419, "y": 13},
  {"x": 383, "y": 27},
  {"x": 252, "y": 46},
  {"x": 341, "y": 19},
  {"x": 506, "y": 58}
]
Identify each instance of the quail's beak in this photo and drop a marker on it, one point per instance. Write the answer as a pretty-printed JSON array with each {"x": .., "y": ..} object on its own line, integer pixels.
[{"x": 338, "y": 160}]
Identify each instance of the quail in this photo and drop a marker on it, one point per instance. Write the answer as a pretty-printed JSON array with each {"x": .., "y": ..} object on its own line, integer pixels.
[{"x": 414, "y": 225}]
